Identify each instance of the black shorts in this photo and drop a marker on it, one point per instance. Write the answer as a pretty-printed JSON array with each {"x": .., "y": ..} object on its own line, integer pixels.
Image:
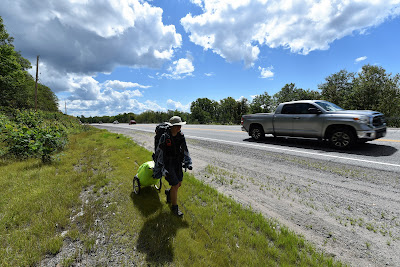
[{"x": 175, "y": 173}]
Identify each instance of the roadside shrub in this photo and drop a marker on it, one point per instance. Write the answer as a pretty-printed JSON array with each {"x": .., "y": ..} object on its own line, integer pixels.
[
  {"x": 393, "y": 121},
  {"x": 35, "y": 134},
  {"x": 3, "y": 122},
  {"x": 29, "y": 118}
]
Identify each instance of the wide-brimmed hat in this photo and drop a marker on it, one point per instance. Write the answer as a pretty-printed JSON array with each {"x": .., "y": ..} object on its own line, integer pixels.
[{"x": 176, "y": 120}]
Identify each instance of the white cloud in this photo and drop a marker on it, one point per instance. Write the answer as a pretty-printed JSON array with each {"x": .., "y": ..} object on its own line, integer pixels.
[
  {"x": 87, "y": 96},
  {"x": 236, "y": 29},
  {"x": 360, "y": 59},
  {"x": 81, "y": 86},
  {"x": 183, "y": 66},
  {"x": 90, "y": 36},
  {"x": 87, "y": 88},
  {"x": 152, "y": 105},
  {"x": 197, "y": 2},
  {"x": 266, "y": 72},
  {"x": 240, "y": 98},
  {"x": 252, "y": 96},
  {"x": 209, "y": 74},
  {"x": 173, "y": 105},
  {"x": 84, "y": 88},
  {"x": 180, "y": 69},
  {"x": 109, "y": 102},
  {"x": 102, "y": 107},
  {"x": 119, "y": 85}
]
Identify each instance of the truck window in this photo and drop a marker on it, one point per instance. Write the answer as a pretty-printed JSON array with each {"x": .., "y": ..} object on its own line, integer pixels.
[
  {"x": 288, "y": 109},
  {"x": 328, "y": 106},
  {"x": 302, "y": 108}
]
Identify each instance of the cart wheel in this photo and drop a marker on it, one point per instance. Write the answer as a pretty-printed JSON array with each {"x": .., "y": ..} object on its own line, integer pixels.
[
  {"x": 158, "y": 185},
  {"x": 136, "y": 185}
]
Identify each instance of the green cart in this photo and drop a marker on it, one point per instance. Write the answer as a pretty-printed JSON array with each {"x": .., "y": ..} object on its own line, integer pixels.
[{"x": 144, "y": 177}]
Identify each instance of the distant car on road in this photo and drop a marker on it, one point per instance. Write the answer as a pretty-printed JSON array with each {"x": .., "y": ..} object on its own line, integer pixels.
[
  {"x": 132, "y": 122},
  {"x": 115, "y": 122},
  {"x": 100, "y": 122}
]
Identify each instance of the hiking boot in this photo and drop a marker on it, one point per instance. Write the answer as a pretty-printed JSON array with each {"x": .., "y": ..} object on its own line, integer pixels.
[
  {"x": 168, "y": 195},
  {"x": 175, "y": 210}
]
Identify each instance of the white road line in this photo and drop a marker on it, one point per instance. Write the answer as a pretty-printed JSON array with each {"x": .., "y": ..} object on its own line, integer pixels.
[
  {"x": 292, "y": 150},
  {"x": 283, "y": 149}
]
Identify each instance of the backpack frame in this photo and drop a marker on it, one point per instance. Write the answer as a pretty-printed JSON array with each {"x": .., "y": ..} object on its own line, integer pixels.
[{"x": 160, "y": 130}]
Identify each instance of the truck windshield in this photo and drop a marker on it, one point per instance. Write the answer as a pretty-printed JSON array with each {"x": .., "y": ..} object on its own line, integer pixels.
[{"x": 328, "y": 106}]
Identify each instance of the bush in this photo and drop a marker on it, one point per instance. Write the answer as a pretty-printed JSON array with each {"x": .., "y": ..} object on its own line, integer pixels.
[
  {"x": 35, "y": 134},
  {"x": 393, "y": 121}
]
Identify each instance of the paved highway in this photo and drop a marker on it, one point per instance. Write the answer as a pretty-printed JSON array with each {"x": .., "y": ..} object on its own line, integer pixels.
[{"x": 381, "y": 154}]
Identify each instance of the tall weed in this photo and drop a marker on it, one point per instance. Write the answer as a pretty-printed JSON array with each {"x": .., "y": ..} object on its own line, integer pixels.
[{"x": 29, "y": 134}]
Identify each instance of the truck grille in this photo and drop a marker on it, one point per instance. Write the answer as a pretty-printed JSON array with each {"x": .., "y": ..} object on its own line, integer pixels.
[{"x": 378, "y": 121}]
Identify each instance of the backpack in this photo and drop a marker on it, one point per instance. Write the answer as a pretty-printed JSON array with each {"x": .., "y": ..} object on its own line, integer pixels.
[{"x": 160, "y": 130}]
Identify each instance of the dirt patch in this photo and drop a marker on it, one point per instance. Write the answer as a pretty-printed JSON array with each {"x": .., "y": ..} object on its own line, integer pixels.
[
  {"x": 89, "y": 241},
  {"x": 351, "y": 213}
]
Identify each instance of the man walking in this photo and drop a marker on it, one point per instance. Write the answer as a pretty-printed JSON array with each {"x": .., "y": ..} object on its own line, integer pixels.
[{"x": 171, "y": 153}]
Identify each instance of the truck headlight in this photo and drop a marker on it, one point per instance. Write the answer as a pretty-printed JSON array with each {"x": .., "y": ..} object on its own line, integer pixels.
[{"x": 362, "y": 119}]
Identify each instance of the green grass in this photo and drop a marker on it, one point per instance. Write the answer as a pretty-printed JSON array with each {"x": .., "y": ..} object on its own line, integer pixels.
[{"x": 37, "y": 201}]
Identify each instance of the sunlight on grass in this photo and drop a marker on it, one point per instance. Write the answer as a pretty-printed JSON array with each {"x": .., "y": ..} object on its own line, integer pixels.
[{"x": 37, "y": 202}]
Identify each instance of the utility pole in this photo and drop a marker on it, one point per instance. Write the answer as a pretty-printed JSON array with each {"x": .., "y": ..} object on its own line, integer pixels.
[{"x": 37, "y": 75}]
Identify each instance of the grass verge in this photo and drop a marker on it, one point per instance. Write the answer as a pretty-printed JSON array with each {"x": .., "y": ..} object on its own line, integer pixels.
[{"x": 37, "y": 202}]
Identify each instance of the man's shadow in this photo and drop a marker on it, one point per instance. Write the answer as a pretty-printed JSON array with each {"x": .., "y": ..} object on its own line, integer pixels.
[{"x": 156, "y": 236}]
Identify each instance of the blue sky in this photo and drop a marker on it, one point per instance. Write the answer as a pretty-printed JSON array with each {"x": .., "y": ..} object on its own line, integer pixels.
[{"x": 114, "y": 56}]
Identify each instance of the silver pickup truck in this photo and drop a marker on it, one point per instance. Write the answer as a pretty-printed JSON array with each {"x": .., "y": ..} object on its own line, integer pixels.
[{"x": 317, "y": 119}]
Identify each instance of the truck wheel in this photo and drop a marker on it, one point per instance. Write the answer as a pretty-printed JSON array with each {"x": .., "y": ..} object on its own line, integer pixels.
[
  {"x": 257, "y": 133},
  {"x": 136, "y": 185},
  {"x": 341, "y": 138}
]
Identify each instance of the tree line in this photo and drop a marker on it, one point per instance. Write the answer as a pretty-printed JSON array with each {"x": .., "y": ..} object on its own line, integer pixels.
[
  {"x": 17, "y": 86},
  {"x": 370, "y": 89}
]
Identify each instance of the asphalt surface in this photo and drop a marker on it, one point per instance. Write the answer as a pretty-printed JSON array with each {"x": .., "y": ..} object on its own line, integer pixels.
[{"x": 380, "y": 154}]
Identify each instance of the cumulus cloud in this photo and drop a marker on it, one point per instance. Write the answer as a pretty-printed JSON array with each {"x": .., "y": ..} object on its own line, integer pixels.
[
  {"x": 174, "y": 105},
  {"x": 197, "y": 2},
  {"x": 266, "y": 72},
  {"x": 101, "y": 107},
  {"x": 88, "y": 89},
  {"x": 87, "y": 96},
  {"x": 109, "y": 102},
  {"x": 236, "y": 29},
  {"x": 180, "y": 69},
  {"x": 78, "y": 39},
  {"x": 360, "y": 59},
  {"x": 90, "y": 36},
  {"x": 58, "y": 81},
  {"x": 119, "y": 85}
]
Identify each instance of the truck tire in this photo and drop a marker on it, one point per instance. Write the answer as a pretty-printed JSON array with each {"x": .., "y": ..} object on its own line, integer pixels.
[
  {"x": 257, "y": 133},
  {"x": 341, "y": 138}
]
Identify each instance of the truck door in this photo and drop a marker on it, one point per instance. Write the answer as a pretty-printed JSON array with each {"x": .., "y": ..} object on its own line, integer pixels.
[
  {"x": 305, "y": 122},
  {"x": 283, "y": 121}
]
